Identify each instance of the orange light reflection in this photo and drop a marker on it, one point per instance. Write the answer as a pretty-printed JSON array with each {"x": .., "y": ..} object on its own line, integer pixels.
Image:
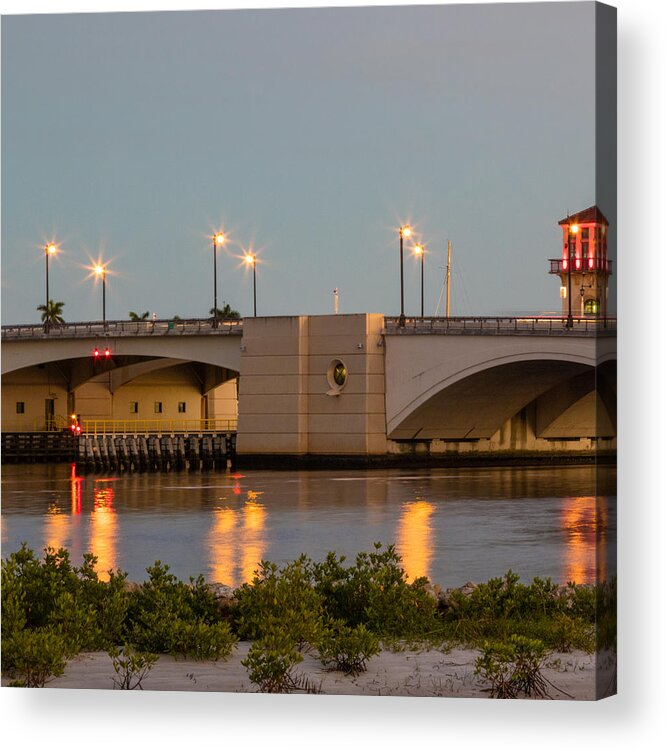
[
  {"x": 236, "y": 542},
  {"x": 584, "y": 521},
  {"x": 56, "y": 526},
  {"x": 221, "y": 546},
  {"x": 253, "y": 542},
  {"x": 103, "y": 522},
  {"x": 414, "y": 538}
]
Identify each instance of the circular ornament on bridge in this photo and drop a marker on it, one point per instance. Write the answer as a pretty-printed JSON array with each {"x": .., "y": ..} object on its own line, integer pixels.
[{"x": 336, "y": 376}]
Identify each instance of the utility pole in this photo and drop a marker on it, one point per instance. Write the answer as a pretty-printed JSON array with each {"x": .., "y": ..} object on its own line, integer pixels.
[{"x": 448, "y": 280}]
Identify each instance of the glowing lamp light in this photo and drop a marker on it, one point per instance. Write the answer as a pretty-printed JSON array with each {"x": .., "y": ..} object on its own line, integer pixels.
[
  {"x": 565, "y": 264},
  {"x": 406, "y": 231},
  {"x": 250, "y": 259},
  {"x": 73, "y": 416},
  {"x": 577, "y": 262},
  {"x": 96, "y": 353},
  {"x": 51, "y": 248},
  {"x": 419, "y": 249},
  {"x": 99, "y": 270},
  {"x": 219, "y": 239},
  {"x": 107, "y": 352},
  {"x": 590, "y": 262},
  {"x": 574, "y": 229}
]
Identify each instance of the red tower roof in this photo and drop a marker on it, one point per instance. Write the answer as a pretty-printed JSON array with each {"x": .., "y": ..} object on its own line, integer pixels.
[{"x": 587, "y": 216}]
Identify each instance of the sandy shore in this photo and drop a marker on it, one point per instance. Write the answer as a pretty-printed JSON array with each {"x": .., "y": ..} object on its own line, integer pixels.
[{"x": 408, "y": 673}]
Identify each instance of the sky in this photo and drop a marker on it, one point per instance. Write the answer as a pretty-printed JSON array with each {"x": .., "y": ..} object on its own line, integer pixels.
[{"x": 308, "y": 136}]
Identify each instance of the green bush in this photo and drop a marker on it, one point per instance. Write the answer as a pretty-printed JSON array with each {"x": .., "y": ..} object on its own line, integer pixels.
[
  {"x": 514, "y": 667},
  {"x": 347, "y": 649},
  {"x": 130, "y": 667},
  {"x": 202, "y": 641},
  {"x": 502, "y": 607},
  {"x": 374, "y": 592},
  {"x": 156, "y": 609},
  {"x": 35, "y": 656},
  {"x": 281, "y": 600},
  {"x": 270, "y": 663},
  {"x": 53, "y": 596},
  {"x": 606, "y": 612}
]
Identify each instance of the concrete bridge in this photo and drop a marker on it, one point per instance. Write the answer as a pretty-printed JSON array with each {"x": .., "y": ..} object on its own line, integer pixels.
[{"x": 332, "y": 384}]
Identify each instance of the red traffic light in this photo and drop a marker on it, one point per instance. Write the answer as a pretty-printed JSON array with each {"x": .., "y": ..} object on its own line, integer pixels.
[
  {"x": 96, "y": 353},
  {"x": 107, "y": 352}
]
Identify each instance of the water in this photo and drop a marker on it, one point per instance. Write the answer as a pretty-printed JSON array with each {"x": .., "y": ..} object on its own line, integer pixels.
[{"x": 453, "y": 525}]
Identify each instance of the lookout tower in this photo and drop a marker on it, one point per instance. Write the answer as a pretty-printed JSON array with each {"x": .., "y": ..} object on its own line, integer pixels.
[{"x": 584, "y": 267}]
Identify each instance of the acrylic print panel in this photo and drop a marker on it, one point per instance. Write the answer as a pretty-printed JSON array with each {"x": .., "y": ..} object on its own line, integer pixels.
[{"x": 309, "y": 364}]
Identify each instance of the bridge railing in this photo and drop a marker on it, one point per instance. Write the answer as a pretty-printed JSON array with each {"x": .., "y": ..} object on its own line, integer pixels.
[
  {"x": 156, "y": 426},
  {"x": 491, "y": 326},
  {"x": 114, "y": 328}
]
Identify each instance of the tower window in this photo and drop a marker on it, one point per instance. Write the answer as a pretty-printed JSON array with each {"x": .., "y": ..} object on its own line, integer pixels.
[
  {"x": 586, "y": 233},
  {"x": 182, "y": 407},
  {"x": 586, "y": 246},
  {"x": 20, "y": 407},
  {"x": 158, "y": 407},
  {"x": 591, "y": 306},
  {"x": 134, "y": 407}
]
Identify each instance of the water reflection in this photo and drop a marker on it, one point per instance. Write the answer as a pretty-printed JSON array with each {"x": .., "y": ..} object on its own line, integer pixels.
[
  {"x": 253, "y": 542},
  {"x": 237, "y": 542},
  {"x": 220, "y": 546},
  {"x": 414, "y": 538},
  {"x": 584, "y": 521},
  {"x": 76, "y": 491},
  {"x": 449, "y": 524},
  {"x": 56, "y": 526},
  {"x": 103, "y": 523}
]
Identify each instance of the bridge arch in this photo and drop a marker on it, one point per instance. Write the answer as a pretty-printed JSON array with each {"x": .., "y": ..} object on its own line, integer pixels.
[
  {"x": 221, "y": 351},
  {"x": 191, "y": 377},
  {"x": 453, "y": 389}
]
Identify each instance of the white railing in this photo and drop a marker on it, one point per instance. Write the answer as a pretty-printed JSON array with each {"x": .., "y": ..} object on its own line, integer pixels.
[
  {"x": 549, "y": 326},
  {"x": 115, "y": 328}
]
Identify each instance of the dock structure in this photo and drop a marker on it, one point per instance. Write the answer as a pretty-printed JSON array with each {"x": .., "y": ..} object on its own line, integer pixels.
[
  {"x": 39, "y": 447},
  {"x": 129, "y": 451},
  {"x": 152, "y": 451}
]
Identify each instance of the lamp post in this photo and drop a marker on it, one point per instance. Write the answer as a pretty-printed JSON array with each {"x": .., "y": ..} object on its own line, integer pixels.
[
  {"x": 100, "y": 272},
  {"x": 420, "y": 250},
  {"x": 49, "y": 249},
  {"x": 571, "y": 245},
  {"x": 218, "y": 240},
  {"x": 251, "y": 260},
  {"x": 405, "y": 231}
]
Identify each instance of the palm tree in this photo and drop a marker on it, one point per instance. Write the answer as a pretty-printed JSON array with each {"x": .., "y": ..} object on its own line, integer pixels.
[
  {"x": 136, "y": 316},
  {"x": 225, "y": 312},
  {"x": 52, "y": 313}
]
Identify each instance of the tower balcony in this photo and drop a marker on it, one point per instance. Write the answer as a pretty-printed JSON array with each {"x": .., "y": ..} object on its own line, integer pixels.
[{"x": 601, "y": 265}]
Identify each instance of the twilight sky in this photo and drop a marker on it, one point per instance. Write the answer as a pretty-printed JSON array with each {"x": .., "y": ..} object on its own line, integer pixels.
[{"x": 309, "y": 135}]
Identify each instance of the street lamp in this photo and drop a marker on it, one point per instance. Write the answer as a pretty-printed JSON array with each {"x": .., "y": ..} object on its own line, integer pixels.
[
  {"x": 251, "y": 260},
  {"x": 100, "y": 272},
  {"x": 218, "y": 240},
  {"x": 420, "y": 250},
  {"x": 404, "y": 231},
  {"x": 571, "y": 245},
  {"x": 49, "y": 249}
]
